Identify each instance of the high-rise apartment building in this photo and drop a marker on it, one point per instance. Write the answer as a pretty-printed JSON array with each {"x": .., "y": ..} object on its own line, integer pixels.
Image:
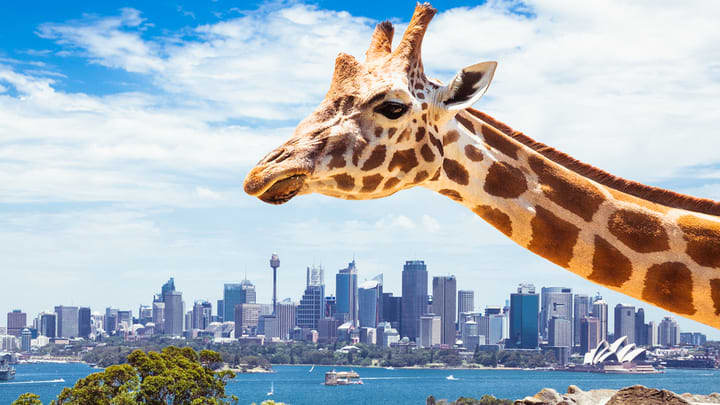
[
  {"x": 524, "y": 309},
  {"x": 67, "y": 321},
  {"x": 84, "y": 322},
  {"x": 625, "y": 322},
  {"x": 668, "y": 332},
  {"x": 16, "y": 322},
  {"x": 370, "y": 306},
  {"x": 414, "y": 297},
  {"x": 581, "y": 309},
  {"x": 465, "y": 303},
  {"x": 555, "y": 302},
  {"x": 600, "y": 311},
  {"x": 346, "y": 292},
  {"x": 444, "y": 305}
]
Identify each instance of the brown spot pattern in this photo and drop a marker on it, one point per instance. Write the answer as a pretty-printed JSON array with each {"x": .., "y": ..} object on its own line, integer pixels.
[
  {"x": 641, "y": 232},
  {"x": 552, "y": 238},
  {"x": 404, "y": 135},
  {"x": 669, "y": 285},
  {"x": 703, "y": 240},
  {"x": 404, "y": 159},
  {"x": 359, "y": 147},
  {"x": 495, "y": 217},
  {"x": 424, "y": 118},
  {"x": 377, "y": 157},
  {"x": 336, "y": 150},
  {"x": 436, "y": 175},
  {"x": 370, "y": 183},
  {"x": 466, "y": 123},
  {"x": 344, "y": 181},
  {"x": 473, "y": 153},
  {"x": 610, "y": 266},
  {"x": 497, "y": 140},
  {"x": 505, "y": 181},
  {"x": 715, "y": 294},
  {"x": 421, "y": 176},
  {"x": 452, "y": 194},
  {"x": 378, "y": 131},
  {"x": 392, "y": 182},
  {"x": 619, "y": 195},
  {"x": 450, "y": 137},
  {"x": 437, "y": 144},
  {"x": 456, "y": 172},
  {"x": 391, "y": 132},
  {"x": 576, "y": 195},
  {"x": 419, "y": 134},
  {"x": 426, "y": 153}
]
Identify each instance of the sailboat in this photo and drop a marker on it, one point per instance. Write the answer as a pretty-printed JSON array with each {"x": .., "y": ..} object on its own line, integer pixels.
[
  {"x": 272, "y": 389},
  {"x": 311, "y": 369}
]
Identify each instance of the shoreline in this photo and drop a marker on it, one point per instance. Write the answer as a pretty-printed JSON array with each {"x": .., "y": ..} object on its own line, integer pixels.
[{"x": 405, "y": 368}]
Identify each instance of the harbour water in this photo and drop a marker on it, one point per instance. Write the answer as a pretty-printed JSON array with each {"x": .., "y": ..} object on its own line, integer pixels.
[{"x": 295, "y": 385}]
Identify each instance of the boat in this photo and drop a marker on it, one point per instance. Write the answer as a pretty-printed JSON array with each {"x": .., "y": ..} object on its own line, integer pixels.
[
  {"x": 390, "y": 368},
  {"x": 272, "y": 389},
  {"x": 7, "y": 372},
  {"x": 342, "y": 378},
  {"x": 311, "y": 369},
  {"x": 451, "y": 378}
]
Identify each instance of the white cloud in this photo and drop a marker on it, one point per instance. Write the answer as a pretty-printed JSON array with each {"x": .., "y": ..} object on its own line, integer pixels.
[{"x": 430, "y": 224}]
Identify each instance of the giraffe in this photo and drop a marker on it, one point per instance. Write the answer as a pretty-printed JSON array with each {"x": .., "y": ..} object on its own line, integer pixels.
[{"x": 384, "y": 126}]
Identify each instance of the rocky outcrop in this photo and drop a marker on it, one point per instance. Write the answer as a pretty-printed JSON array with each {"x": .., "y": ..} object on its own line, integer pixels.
[{"x": 637, "y": 394}]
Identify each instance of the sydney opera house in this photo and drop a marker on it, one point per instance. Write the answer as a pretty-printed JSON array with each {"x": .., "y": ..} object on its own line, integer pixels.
[{"x": 617, "y": 352}]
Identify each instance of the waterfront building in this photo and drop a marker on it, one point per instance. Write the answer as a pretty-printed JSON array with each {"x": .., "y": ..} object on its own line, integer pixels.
[
  {"x": 600, "y": 311},
  {"x": 444, "y": 305},
  {"x": 581, "y": 309},
  {"x": 469, "y": 333},
  {"x": 246, "y": 319},
  {"x": 234, "y": 294},
  {"x": 312, "y": 303},
  {"x": 524, "y": 310},
  {"x": 25, "y": 339},
  {"x": 387, "y": 335},
  {"x": 201, "y": 315},
  {"x": 465, "y": 303},
  {"x": 560, "y": 332},
  {"x": 668, "y": 332},
  {"x": 430, "y": 330},
  {"x": 414, "y": 297},
  {"x": 67, "y": 321},
  {"x": 370, "y": 303},
  {"x": 327, "y": 330},
  {"x": 346, "y": 291},
  {"x": 391, "y": 311},
  {"x": 590, "y": 335},
  {"x": 625, "y": 322},
  {"x": 16, "y": 322},
  {"x": 48, "y": 322},
  {"x": 555, "y": 302},
  {"x": 368, "y": 336},
  {"x": 268, "y": 326},
  {"x": 84, "y": 322},
  {"x": 652, "y": 333}
]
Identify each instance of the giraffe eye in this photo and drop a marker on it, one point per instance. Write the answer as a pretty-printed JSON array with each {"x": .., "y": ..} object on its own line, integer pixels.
[{"x": 391, "y": 109}]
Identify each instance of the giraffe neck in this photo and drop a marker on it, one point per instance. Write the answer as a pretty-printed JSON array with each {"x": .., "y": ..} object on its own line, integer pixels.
[{"x": 665, "y": 256}]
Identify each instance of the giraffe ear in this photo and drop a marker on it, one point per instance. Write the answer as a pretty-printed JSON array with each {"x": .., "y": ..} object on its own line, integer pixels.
[{"x": 468, "y": 86}]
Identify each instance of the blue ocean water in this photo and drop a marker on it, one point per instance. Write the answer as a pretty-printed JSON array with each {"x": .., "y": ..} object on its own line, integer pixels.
[{"x": 294, "y": 385}]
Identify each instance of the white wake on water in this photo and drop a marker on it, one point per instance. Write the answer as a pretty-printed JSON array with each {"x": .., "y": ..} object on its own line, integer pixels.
[{"x": 58, "y": 380}]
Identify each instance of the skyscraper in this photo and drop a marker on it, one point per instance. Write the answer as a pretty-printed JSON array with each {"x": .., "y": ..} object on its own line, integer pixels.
[
  {"x": 201, "y": 315},
  {"x": 524, "y": 308},
  {"x": 220, "y": 310},
  {"x": 16, "y": 322},
  {"x": 600, "y": 311},
  {"x": 392, "y": 309},
  {"x": 370, "y": 303},
  {"x": 274, "y": 264},
  {"x": 48, "y": 321},
  {"x": 641, "y": 337},
  {"x": 559, "y": 332},
  {"x": 246, "y": 319},
  {"x": 286, "y": 314},
  {"x": 554, "y": 302},
  {"x": 174, "y": 311},
  {"x": 444, "y": 295},
  {"x": 67, "y": 321},
  {"x": 590, "y": 335},
  {"x": 312, "y": 303},
  {"x": 430, "y": 330},
  {"x": 158, "y": 314},
  {"x": 234, "y": 294},
  {"x": 465, "y": 302},
  {"x": 625, "y": 322},
  {"x": 84, "y": 322},
  {"x": 581, "y": 309},
  {"x": 414, "y": 297},
  {"x": 346, "y": 292},
  {"x": 668, "y": 332}
]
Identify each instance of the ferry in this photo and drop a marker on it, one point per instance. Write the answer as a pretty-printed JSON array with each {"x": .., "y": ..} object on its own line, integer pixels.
[
  {"x": 342, "y": 378},
  {"x": 7, "y": 372}
]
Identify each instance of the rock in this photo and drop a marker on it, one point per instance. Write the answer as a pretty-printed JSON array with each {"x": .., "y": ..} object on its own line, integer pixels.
[
  {"x": 638, "y": 394},
  {"x": 574, "y": 389}
]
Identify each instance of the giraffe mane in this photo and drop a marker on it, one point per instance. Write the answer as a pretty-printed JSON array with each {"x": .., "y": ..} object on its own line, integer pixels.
[{"x": 654, "y": 194}]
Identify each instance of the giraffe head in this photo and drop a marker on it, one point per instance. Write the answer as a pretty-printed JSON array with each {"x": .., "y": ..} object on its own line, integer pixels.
[{"x": 377, "y": 130}]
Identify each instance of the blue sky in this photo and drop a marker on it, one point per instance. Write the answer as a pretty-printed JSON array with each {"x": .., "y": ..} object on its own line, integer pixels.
[{"x": 126, "y": 130}]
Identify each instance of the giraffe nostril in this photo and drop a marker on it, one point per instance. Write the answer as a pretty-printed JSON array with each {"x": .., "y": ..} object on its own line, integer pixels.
[
  {"x": 283, "y": 157},
  {"x": 274, "y": 155}
]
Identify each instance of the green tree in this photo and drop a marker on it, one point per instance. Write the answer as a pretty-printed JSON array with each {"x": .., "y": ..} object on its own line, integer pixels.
[
  {"x": 178, "y": 376},
  {"x": 27, "y": 399}
]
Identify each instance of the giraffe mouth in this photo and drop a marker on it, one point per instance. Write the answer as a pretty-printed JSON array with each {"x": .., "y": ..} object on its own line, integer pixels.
[{"x": 283, "y": 190}]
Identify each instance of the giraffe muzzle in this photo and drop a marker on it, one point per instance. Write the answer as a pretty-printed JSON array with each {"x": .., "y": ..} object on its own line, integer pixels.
[{"x": 283, "y": 190}]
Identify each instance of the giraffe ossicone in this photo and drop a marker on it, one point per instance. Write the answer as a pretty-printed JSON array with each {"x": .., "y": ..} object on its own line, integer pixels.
[{"x": 384, "y": 126}]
